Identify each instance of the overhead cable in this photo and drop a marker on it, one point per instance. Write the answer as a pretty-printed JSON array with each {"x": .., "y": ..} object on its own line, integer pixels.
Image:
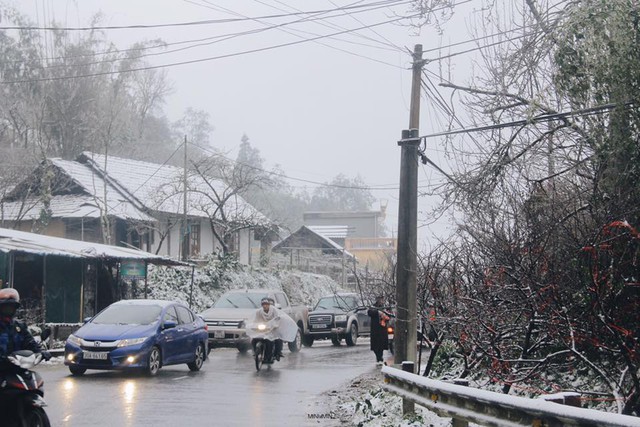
[
  {"x": 211, "y": 58},
  {"x": 190, "y": 23},
  {"x": 537, "y": 119}
]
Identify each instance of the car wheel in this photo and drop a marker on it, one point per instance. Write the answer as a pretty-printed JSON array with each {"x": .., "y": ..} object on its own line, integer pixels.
[
  {"x": 243, "y": 348},
  {"x": 307, "y": 340},
  {"x": 352, "y": 335},
  {"x": 77, "y": 371},
  {"x": 198, "y": 359},
  {"x": 154, "y": 362},
  {"x": 336, "y": 341},
  {"x": 296, "y": 344}
]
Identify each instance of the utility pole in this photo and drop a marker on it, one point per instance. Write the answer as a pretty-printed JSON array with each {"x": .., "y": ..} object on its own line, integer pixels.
[
  {"x": 406, "y": 326},
  {"x": 185, "y": 233}
]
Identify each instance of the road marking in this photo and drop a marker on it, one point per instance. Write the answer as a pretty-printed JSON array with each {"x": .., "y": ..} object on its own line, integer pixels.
[{"x": 180, "y": 378}]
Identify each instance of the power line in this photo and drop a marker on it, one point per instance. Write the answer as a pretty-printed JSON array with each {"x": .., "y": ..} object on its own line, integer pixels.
[
  {"x": 291, "y": 32},
  {"x": 538, "y": 119},
  {"x": 477, "y": 39},
  {"x": 335, "y": 26},
  {"x": 207, "y": 59},
  {"x": 190, "y": 23},
  {"x": 224, "y": 37},
  {"x": 475, "y": 49},
  {"x": 148, "y": 179},
  {"x": 208, "y": 40},
  {"x": 281, "y": 175}
]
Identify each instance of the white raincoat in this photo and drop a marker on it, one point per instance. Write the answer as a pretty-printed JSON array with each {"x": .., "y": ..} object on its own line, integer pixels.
[{"x": 279, "y": 325}]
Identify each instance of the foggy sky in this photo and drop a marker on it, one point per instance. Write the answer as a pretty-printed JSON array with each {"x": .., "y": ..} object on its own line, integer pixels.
[{"x": 312, "y": 109}]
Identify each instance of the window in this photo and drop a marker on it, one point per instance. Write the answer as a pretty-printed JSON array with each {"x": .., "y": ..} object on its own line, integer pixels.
[
  {"x": 184, "y": 315},
  {"x": 280, "y": 299},
  {"x": 85, "y": 229},
  {"x": 194, "y": 248},
  {"x": 126, "y": 314},
  {"x": 170, "y": 315},
  {"x": 239, "y": 300}
]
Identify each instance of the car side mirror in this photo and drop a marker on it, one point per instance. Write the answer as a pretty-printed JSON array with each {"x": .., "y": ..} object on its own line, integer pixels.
[
  {"x": 278, "y": 306},
  {"x": 168, "y": 324},
  {"x": 86, "y": 319}
]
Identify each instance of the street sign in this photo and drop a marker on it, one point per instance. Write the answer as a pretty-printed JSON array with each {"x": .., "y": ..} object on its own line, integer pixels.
[{"x": 133, "y": 269}]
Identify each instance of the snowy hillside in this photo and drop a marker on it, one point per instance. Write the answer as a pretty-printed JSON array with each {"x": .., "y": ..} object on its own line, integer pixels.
[{"x": 210, "y": 282}]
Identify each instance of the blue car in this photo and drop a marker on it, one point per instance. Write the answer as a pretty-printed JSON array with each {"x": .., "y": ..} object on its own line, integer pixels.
[{"x": 138, "y": 334}]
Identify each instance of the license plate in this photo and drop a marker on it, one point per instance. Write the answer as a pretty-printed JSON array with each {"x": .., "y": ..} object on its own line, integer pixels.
[
  {"x": 95, "y": 355},
  {"x": 319, "y": 326},
  {"x": 218, "y": 334}
]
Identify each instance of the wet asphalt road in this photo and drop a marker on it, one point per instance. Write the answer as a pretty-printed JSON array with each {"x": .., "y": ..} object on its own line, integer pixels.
[{"x": 226, "y": 392}]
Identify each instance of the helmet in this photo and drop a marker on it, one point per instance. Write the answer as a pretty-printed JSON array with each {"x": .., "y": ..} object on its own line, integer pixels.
[
  {"x": 265, "y": 300},
  {"x": 9, "y": 296}
]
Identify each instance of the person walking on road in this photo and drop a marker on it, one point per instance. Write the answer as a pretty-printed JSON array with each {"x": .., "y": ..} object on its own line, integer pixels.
[{"x": 379, "y": 335}]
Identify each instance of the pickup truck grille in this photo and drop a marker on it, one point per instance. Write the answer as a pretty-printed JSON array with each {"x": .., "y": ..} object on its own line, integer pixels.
[
  {"x": 224, "y": 323},
  {"x": 320, "y": 318}
]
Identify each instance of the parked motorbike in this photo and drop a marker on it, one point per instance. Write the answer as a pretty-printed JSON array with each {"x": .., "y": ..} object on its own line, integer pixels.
[
  {"x": 262, "y": 343},
  {"x": 22, "y": 393}
]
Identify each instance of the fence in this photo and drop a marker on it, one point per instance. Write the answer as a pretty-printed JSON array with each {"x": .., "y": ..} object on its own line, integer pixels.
[{"x": 466, "y": 404}]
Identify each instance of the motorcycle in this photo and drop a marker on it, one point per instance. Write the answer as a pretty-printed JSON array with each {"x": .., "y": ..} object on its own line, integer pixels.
[
  {"x": 263, "y": 343},
  {"x": 22, "y": 393}
]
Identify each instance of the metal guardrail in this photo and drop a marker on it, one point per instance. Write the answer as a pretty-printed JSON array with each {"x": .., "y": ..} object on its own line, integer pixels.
[{"x": 466, "y": 404}]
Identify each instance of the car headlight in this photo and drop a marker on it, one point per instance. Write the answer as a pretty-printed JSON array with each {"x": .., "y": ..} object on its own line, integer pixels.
[
  {"x": 74, "y": 340},
  {"x": 131, "y": 341},
  {"x": 341, "y": 318}
]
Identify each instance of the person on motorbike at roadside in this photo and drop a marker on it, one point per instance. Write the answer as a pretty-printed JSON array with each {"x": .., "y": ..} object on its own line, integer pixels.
[
  {"x": 14, "y": 335},
  {"x": 267, "y": 312}
]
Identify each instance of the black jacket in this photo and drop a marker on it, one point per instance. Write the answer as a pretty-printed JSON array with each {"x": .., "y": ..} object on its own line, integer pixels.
[
  {"x": 379, "y": 334},
  {"x": 15, "y": 336}
]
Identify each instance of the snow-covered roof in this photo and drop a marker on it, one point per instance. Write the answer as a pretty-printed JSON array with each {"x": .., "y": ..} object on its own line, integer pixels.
[
  {"x": 21, "y": 241},
  {"x": 160, "y": 188},
  {"x": 118, "y": 203},
  {"x": 322, "y": 238},
  {"x": 71, "y": 206},
  {"x": 331, "y": 231}
]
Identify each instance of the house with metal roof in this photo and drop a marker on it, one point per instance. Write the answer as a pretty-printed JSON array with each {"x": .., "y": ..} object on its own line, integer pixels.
[
  {"x": 359, "y": 232},
  {"x": 132, "y": 203},
  {"x": 63, "y": 281},
  {"x": 310, "y": 249}
]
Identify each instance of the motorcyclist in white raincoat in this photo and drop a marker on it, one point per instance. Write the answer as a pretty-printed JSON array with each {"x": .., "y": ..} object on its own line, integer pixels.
[{"x": 281, "y": 326}]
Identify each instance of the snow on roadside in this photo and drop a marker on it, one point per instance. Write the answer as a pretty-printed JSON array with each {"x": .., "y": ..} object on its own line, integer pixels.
[{"x": 364, "y": 403}]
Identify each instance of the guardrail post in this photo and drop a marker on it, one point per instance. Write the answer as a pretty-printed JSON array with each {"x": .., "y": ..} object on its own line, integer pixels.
[
  {"x": 407, "y": 406},
  {"x": 456, "y": 422}
]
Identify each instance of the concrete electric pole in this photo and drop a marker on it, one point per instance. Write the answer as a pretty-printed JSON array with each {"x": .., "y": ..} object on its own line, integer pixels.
[
  {"x": 185, "y": 223},
  {"x": 405, "y": 337}
]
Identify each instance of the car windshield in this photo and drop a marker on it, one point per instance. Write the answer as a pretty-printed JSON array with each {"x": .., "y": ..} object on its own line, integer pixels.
[
  {"x": 239, "y": 300},
  {"x": 128, "y": 314},
  {"x": 329, "y": 303}
]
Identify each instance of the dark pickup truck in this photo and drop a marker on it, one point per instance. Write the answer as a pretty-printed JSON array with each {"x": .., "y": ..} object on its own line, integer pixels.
[{"x": 338, "y": 316}]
